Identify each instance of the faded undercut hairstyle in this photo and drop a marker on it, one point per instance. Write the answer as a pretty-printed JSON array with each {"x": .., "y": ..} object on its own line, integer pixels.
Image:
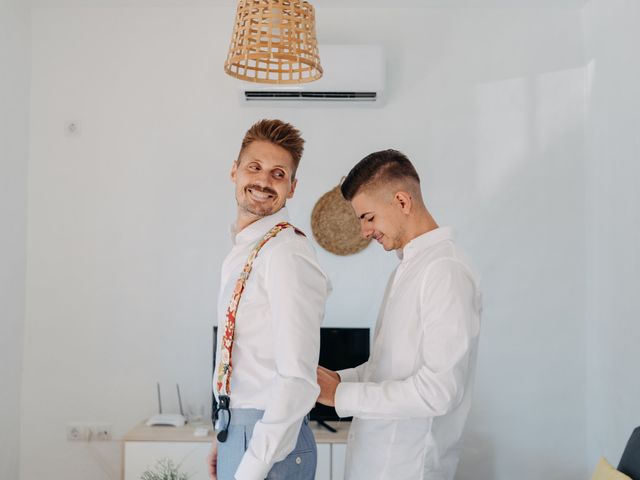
[
  {"x": 279, "y": 133},
  {"x": 378, "y": 168}
]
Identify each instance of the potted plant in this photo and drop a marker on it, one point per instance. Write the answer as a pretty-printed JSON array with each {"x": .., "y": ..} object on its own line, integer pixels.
[{"x": 165, "y": 469}]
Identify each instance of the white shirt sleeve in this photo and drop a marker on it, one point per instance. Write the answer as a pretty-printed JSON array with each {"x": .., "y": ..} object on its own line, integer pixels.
[
  {"x": 357, "y": 374},
  {"x": 450, "y": 321},
  {"x": 297, "y": 293},
  {"x": 353, "y": 374}
]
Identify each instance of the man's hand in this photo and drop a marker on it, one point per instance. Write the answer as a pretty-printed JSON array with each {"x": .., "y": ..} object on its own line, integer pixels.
[
  {"x": 212, "y": 461},
  {"x": 328, "y": 381}
]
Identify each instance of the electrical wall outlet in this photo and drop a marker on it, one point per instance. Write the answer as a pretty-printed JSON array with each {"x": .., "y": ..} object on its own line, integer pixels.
[
  {"x": 88, "y": 432},
  {"x": 77, "y": 432},
  {"x": 101, "y": 432}
]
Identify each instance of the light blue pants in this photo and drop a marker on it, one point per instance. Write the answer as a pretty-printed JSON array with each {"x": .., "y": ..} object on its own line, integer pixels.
[{"x": 300, "y": 464}]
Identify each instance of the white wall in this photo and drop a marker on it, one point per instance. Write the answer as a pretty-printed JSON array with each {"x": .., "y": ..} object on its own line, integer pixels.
[
  {"x": 611, "y": 35},
  {"x": 14, "y": 144},
  {"x": 128, "y": 219}
]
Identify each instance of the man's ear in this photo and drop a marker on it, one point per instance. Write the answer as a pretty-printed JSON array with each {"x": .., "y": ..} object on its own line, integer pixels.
[
  {"x": 293, "y": 188},
  {"x": 234, "y": 171},
  {"x": 404, "y": 201}
]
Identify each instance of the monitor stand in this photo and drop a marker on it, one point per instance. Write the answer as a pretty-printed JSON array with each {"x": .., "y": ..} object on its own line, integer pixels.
[{"x": 322, "y": 423}]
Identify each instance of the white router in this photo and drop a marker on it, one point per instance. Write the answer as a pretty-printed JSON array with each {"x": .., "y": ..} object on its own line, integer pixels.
[{"x": 167, "y": 419}]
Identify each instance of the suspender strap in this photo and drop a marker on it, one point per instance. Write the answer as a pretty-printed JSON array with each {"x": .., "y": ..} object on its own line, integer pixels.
[{"x": 225, "y": 365}]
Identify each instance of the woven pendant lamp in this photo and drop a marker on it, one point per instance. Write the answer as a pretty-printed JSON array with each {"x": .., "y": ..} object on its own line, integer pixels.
[{"x": 274, "y": 41}]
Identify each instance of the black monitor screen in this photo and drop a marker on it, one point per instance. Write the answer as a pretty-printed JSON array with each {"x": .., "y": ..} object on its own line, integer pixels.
[{"x": 340, "y": 348}]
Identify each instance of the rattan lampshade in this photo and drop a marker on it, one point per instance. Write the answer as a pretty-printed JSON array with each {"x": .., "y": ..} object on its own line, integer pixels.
[{"x": 274, "y": 41}]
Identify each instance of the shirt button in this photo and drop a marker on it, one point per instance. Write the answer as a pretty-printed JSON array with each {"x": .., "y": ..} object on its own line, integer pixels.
[{"x": 298, "y": 460}]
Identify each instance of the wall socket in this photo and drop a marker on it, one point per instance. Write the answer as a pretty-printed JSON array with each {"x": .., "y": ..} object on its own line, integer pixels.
[
  {"x": 77, "y": 432},
  {"x": 100, "y": 432},
  {"x": 87, "y": 432}
]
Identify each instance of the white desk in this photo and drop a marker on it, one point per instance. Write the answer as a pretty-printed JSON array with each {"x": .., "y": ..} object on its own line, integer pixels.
[{"x": 144, "y": 446}]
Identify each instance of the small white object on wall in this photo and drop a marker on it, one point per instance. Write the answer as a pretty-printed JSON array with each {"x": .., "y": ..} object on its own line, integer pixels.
[{"x": 72, "y": 129}]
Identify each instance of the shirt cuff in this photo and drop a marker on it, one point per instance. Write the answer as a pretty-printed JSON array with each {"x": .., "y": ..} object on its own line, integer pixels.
[
  {"x": 347, "y": 399},
  {"x": 251, "y": 468},
  {"x": 348, "y": 375}
]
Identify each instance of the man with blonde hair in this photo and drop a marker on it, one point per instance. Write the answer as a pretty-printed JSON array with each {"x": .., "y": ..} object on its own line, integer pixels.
[{"x": 271, "y": 305}]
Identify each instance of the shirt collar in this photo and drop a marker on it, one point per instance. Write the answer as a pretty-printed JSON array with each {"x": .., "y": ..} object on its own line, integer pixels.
[
  {"x": 425, "y": 241},
  {"x": 256, "y": 230}
]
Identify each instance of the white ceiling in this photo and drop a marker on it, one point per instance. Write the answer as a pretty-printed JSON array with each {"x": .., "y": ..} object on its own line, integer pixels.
[{"x": 328, "y": 3}]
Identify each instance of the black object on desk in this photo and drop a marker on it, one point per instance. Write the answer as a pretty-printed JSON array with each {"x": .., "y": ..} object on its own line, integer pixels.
[{"x": 340, "y": 348}]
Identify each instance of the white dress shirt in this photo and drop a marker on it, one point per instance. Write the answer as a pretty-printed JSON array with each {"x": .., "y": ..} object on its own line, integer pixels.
[
  {"x": 277, "y": 337},
  {"x": 411, "y": 398}
]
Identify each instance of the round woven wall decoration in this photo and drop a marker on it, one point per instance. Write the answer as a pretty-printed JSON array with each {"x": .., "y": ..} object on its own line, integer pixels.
[
  {"x": 335, "y": 226},
  {"x": 274, "y": 41}
]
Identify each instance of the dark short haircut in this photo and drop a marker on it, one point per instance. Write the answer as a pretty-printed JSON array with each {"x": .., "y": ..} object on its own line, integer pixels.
[
  {"x": 279, "y": 133},
  {"x": 379, "y": 167}
]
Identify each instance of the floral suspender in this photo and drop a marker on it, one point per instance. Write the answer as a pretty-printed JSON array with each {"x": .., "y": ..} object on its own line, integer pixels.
[{"x": 225, "y": 366}]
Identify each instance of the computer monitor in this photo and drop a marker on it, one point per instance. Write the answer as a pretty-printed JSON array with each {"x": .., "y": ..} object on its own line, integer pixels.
[{"x": 340, "y": 348}]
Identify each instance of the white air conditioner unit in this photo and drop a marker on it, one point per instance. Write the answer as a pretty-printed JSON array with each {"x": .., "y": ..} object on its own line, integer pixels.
[{"x": 352, "y": 73}]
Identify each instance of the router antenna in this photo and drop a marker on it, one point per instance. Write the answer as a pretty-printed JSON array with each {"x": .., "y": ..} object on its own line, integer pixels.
[
  {"x": 159, "y": 401},
  {"x": 179, "y": 399}
]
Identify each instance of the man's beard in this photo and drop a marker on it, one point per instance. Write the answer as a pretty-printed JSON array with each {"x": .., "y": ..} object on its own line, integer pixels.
[
  {"x": 395, "y": 240},
  {"x": 259, "y": 210}
]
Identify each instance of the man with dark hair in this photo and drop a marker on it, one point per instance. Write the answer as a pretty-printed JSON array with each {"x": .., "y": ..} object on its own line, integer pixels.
[
  {"x": 410, "y": 400},
  {"x": 271, "y": 305}
]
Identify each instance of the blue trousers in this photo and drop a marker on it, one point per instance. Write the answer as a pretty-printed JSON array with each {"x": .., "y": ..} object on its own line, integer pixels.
[{"x": 300, "y": 464}]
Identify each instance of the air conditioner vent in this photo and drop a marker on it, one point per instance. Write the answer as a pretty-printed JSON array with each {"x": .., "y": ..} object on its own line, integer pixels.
[
  {"x": 302, "y": 95},
  {"x": 354, "y": 76}
]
